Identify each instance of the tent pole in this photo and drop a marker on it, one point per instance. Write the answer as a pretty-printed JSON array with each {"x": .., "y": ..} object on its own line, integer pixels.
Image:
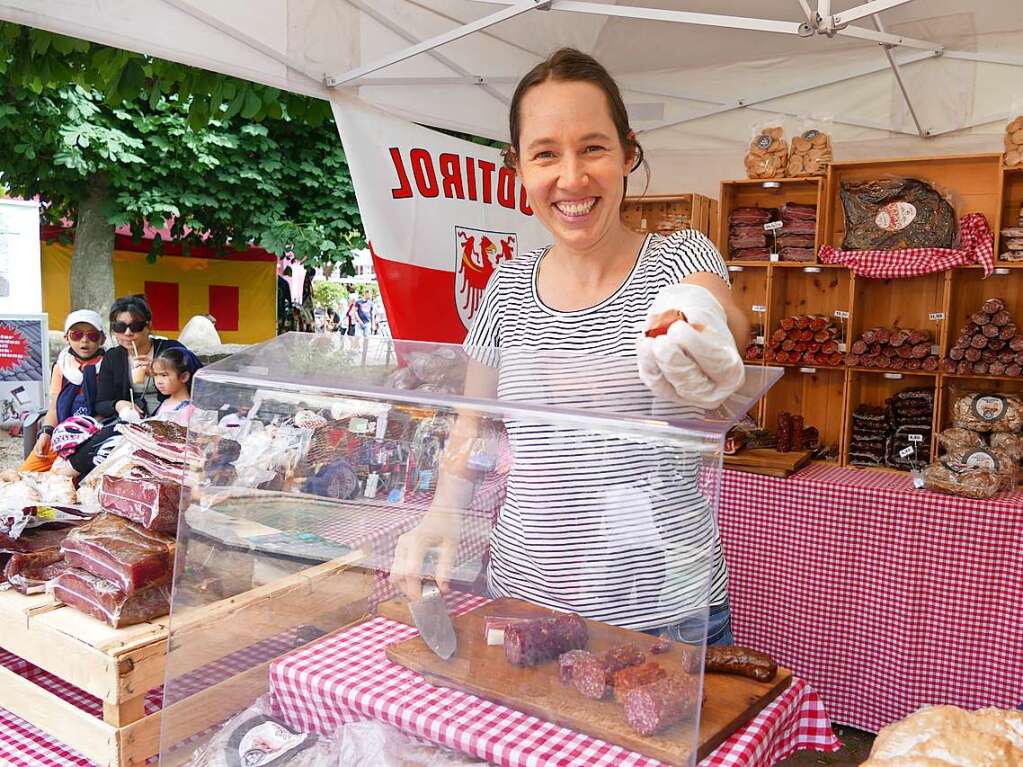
[
  {"x": 806, "y": 10},
  {"x": 234, "y": 33},
  {"x": 867, "y": 9},
  {"x": 468, "y": 77},
  {"x": 986, "y": 58},
  {"x": 744, "y": 103},
  {"x": 902, "y": 85},
  {"x": 517, "y": 9}
]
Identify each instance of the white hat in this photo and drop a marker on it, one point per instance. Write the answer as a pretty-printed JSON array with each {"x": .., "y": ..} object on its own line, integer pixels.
[{"x": 87, "y": 316}]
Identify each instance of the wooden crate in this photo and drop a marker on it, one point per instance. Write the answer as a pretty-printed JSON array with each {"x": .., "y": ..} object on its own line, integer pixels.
[
  {"x": 646, "y": 214},
  {"x": 119, "y": 666},
  {"x": 752, "y": 193}
]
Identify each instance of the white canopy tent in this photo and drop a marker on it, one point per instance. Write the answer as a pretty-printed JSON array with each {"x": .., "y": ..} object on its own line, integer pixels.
[{"x": 899, "y": 77}]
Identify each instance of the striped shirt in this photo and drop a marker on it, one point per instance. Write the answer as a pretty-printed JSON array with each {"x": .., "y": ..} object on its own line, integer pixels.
[{"x": 605, "y": 523}]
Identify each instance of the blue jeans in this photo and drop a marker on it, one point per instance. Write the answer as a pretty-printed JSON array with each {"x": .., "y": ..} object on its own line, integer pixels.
[{"x": 690, "y": 630}]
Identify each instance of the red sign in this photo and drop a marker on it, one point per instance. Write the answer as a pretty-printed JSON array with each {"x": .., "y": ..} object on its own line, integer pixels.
[{"x": 13, "y": 348}]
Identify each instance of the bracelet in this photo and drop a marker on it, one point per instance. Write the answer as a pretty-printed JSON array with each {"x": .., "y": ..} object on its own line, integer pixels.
[{"x": 47, "y": 429}]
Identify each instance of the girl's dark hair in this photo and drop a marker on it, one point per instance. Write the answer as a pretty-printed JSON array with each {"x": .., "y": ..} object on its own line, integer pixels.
[
  {"x": 136, "y": 304},
  {"x": 179, "y": 360},
  {"x": 571, "y": 65}
]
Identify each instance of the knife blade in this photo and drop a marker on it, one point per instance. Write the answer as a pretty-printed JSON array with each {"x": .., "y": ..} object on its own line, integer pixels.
[{"x": 430, "y": 615}]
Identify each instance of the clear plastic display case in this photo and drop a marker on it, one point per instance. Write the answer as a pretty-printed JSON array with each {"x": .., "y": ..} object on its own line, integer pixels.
[{"x": 338, "y": 476}]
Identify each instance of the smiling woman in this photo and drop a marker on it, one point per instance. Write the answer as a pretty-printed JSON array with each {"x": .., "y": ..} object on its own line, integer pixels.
[{"x": 595, "y": 530}]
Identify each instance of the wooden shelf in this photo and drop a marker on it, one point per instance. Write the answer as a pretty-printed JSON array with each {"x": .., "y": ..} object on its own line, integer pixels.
[
  {"x": 643, "y": 214},
  {"x": 883, "y": 371},
  {"x": 1010, "y": 379}
]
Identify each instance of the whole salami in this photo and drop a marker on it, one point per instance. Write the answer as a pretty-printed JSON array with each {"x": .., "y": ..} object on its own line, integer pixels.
[
  {"x": 533, "y": 642},
  {"x": 654, "y": 707}
]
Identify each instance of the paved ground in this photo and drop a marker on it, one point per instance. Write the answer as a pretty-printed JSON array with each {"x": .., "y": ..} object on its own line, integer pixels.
[
  {"x": 10, "y": 451},
  {"x": 855, "y": 750}
]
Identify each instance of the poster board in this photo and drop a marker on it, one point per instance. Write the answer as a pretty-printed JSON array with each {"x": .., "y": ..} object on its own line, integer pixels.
[{"x": 20, "y": 272}]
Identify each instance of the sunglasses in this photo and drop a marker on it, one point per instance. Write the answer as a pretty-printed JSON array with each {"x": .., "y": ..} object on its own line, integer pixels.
[
  {"x": 78, "y": 335},
  {"x": 122, "y": 327}
]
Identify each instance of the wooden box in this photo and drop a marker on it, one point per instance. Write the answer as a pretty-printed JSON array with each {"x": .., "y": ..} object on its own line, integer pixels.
[
  {"x": 875, "y": 387},
  {"x": 653, "y": 213},
  {"x": 753, "y": 193}
]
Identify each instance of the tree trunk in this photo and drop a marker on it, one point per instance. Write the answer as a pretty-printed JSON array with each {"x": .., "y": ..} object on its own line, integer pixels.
[{"x": 92, "y": 264}]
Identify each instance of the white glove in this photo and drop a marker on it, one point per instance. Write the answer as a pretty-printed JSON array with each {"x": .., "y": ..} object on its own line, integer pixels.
[
  {"x": 129, "y": 414},
  {"x": 698, "y": 367}
]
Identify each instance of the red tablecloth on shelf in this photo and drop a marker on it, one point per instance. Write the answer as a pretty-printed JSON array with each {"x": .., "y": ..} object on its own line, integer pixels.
[
  {"x": 346, "y": 677},
  {"x": 882, "y": 597}
]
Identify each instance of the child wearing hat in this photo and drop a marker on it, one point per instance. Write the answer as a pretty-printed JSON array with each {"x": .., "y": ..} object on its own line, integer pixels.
[{"x": 73, "y": 384}]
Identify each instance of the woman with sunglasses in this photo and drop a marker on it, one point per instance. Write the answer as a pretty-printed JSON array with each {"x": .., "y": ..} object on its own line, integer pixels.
[
  {"x": 126, "y": 386},
  {"x": 73, "y": 385}
]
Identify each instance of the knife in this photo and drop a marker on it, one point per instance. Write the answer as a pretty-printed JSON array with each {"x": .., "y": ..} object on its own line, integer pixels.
[{"x": 430, "y": 615}]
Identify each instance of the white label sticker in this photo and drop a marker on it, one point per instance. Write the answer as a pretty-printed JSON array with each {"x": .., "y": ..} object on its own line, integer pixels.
[
  {"x": 807, "y": 370},
  {"x": 935, "y": 349},
  {"x": 990, "y": 407},
  {"x": 918, "y": 480},
  {"x": 916, "y": 437},
  {"x": 906, "y": 452},
  {"x": 773, "y": 225},
  {"x": 936, "y": 316},
  {"x": 895, "y": 216},
  {"x": 642, "y": 224},
  {"x": 893, "y": 376},
  {"x": 841, "y": 346},
  {"x": 774, "y": 258},
  {"x": 759, "y": 340},
  {"x": 735, "y": 268},
  {"x": 812, "y": 269},
  {"x": 759, "y": 309},
  {"x": 1001, "y": 271},
  {"x": 981, "y": 459},
  {"x": 841, "y": 314}
]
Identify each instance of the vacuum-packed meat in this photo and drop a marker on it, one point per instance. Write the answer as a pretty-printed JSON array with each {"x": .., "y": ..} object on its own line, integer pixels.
[
  {"x": 896, "y": 213},
  {"x": 29, "y": 573},
  {"x": 103, "y": 600},
  {"x": 153, "y": 503},
  {"x": 122, "y": 552},
  {"x": 533, "y": 642},
  {"x": 654, "y": 707}
]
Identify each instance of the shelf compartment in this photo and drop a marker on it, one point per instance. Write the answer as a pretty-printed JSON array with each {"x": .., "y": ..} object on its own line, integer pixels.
[
  {"x": 751, "y": 193},
  {"x": 818, "y": 396},
  {"x": 875, "y": 387}
]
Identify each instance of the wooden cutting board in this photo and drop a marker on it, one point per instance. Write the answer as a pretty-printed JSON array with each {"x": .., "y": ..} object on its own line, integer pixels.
[
  {"x": 479, "y": 669},
  {"x": 768, "y": 461}
]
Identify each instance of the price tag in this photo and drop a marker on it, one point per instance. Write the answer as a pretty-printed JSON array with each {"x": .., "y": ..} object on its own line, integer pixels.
[
  {"x": 936, "y": 316},
  {"x": 1001, "y": 271},
  {"x": 935, "y": 349},
  {"x": 759, "y": 340},
  {"x": 841, "y": 346},
  {"x": 812, "y": 269},
  {"x": 842, "y": 315},
  {"x": 893, "y": 376},
  {"x": 772, "y": 226},
  {"x": 808, "y": 370},
  {"x": 735, "y": 268},
  {"x": 774, "y": 258},
  {"x": 907, "y": 451},
  {"x": 759, "y": 309},
  {"x": 916, "y": 437},
  {"x": 642, "y": 224}
]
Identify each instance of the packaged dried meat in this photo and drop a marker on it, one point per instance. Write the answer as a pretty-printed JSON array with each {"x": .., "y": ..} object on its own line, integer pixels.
[
  {"x": 1011, "y": 444},
  {"x": 29, "y": 573},
  {"x": 113, "y": 548},
  {"x": 976, "y": 483},
  {"x": 105, "y": 601},
  {"x": 896, "y": 213},
  {"x": 987, "y": 411},
  {"x": 995, "y": 460},
  {"x": 955, "y": 438},
  {"x": 152, "y": 503}
]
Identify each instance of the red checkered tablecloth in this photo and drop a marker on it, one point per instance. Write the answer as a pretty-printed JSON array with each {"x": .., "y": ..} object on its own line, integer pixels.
[
  {"x": 882, "y": 597},
  {"x": 347, "y": 677}
]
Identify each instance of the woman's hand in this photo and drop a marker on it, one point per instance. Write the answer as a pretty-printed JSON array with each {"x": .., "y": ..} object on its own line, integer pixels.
[
  {"x": 437, "y": 531},
  {"x": 42, "y": 445},
  {"x": 687, "y": 352}
]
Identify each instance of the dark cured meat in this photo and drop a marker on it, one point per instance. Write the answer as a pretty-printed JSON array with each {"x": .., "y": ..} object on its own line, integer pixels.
[
  {"x": 152, "y": 503},
  {"x": 750, "y": 215},
  {"x": 741, "y": 661},
  {"x": 654, "y": 707},
  {"x": 537, "y": 641},
  {"x": 627, "y": 680},
  {"x": 104, "y": 601},
  {"x": 660, "y": 647},
  {"x": 116, "y": 550},
  {"x": 622, "y": 656},
  {"x": 29, "y": 573},
  {"x": 567, "y": 661},
  {"x": 894, "y": 213}
]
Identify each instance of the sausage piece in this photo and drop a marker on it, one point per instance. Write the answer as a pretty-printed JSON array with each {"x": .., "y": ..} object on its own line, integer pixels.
[
  {"x": 567, "y": 661},
  {"x": 654, "y": 707},
  {"x": 590, "y": 677},
  {"x": 533, "y": 642},
  {"x": 741, "y": 661},
  {"x": 628, "y": 679},
  {"x": 622, "y": 656}
]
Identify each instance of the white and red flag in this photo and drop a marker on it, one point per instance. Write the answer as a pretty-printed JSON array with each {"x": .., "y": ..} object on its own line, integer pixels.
[{"x": 440, "y": 215}]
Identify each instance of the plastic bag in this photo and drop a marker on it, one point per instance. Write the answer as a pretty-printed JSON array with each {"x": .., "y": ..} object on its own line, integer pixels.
[
  {"x": 893, "y": 213},
  {"x": 256, "y": 737},
  {"x": 768, "y": 153},
  {"x": 1013, "y": 156},
  {"x": 374, "y": 744},
  {"x": 955, "y": 479},
  {"x": 810, "y": 150},
  {"x": 987, "y": 411}
]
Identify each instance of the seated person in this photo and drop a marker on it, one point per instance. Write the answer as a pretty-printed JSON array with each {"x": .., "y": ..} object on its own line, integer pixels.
[
  {"x": 73, "y": 385},
  {"x": 173, "y": 369}
]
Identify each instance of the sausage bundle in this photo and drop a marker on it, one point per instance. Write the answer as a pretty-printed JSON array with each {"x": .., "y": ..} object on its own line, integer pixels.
[
  {"x": 988, "y": 344},
  {"x": 893, "y": 349},
  {"x": 806, "y": 339}
]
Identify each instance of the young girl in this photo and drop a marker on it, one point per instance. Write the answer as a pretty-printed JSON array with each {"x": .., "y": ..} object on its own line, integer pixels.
[{"x": 172, "y": 373}]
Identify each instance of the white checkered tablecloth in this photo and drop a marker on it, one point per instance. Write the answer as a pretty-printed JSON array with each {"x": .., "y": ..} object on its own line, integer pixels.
[
  {"x": 882, "y": 597},
  {"x": 346, "y": 677}
]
